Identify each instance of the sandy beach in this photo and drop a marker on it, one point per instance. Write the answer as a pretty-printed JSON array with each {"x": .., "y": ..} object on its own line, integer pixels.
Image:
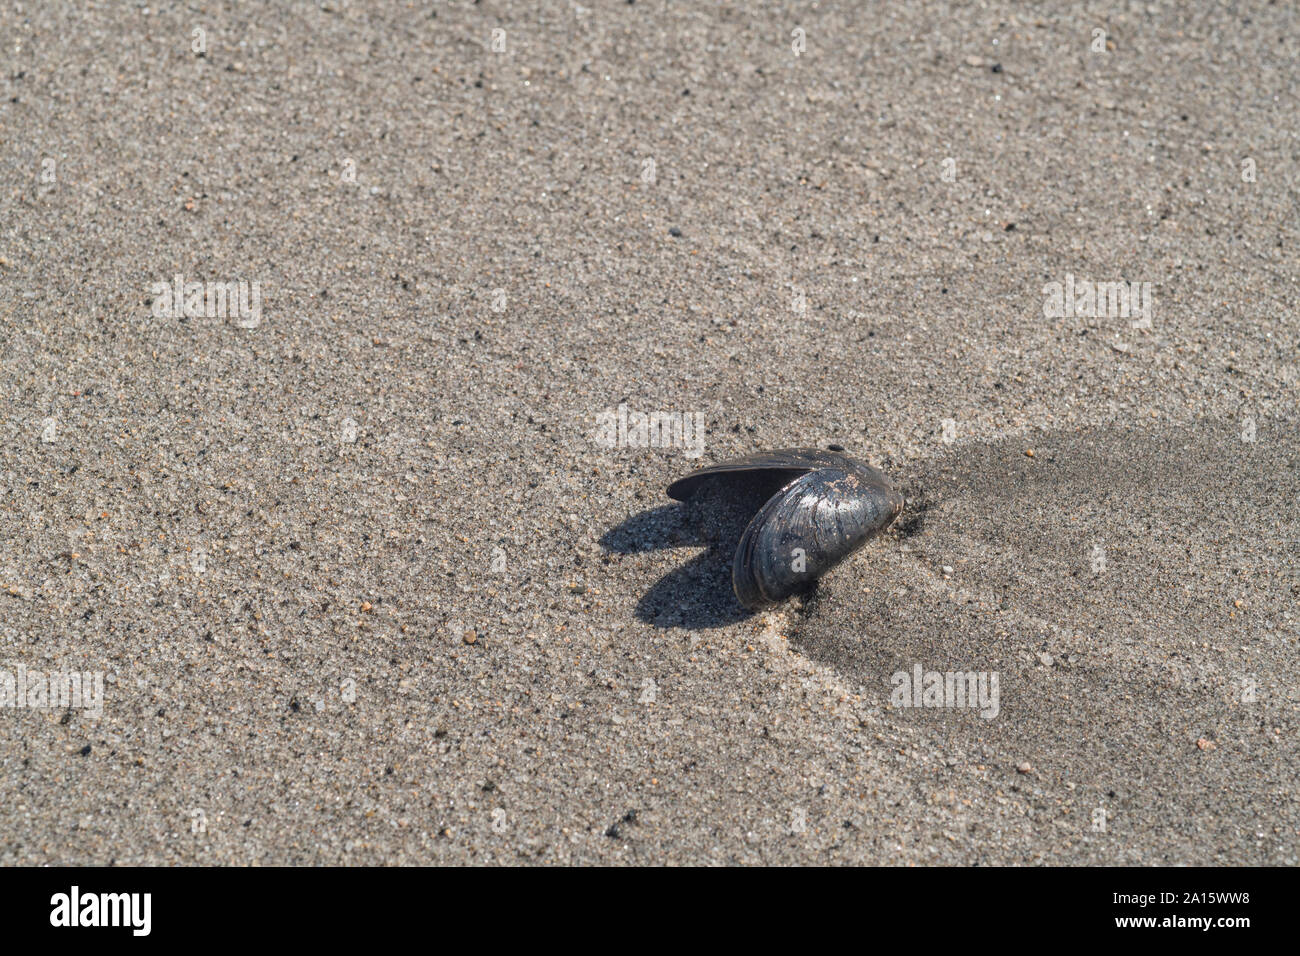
[{"x": 310, "y": 317}]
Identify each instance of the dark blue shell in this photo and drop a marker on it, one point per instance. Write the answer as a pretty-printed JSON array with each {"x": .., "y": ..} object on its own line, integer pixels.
[{"x": 827, "y": 507}]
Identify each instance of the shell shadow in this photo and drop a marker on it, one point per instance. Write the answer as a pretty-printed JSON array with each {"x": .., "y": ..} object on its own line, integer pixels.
[
  {"x": 695, "y": 596},
  {"x": 651, "y": 530},
  {"x": 698, "y": 594}
]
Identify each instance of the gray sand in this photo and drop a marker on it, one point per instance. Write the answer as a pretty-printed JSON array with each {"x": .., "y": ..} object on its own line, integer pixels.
[{"x": 276, "y": 536}]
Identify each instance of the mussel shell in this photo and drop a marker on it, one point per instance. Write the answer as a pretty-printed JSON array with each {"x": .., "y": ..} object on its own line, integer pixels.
[
  {"x": 826, "y": 506},
  {"x": 791, "y": 461}
]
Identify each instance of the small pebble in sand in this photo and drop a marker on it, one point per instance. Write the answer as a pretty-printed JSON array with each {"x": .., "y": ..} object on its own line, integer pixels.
[
  {"x": 1204, "y": 744},
  {"x": 1025, "y": 767},
  {"x": 1029, "y": 453},
  {"x": 470, "y": 637}
]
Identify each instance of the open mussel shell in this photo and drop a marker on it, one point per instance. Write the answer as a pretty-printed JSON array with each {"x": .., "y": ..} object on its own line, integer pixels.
[{"x": 826, "y": 505}]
